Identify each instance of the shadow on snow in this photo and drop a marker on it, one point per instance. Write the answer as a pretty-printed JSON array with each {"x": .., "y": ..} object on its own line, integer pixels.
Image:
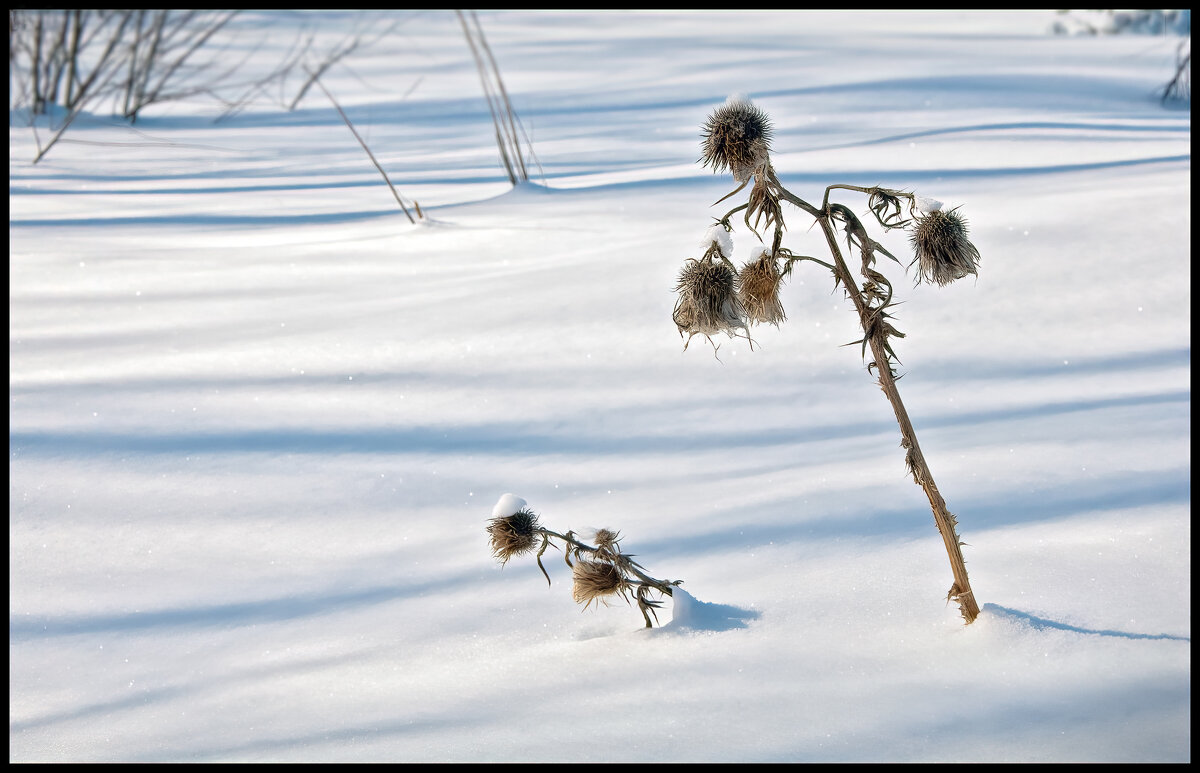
[{"x": 1042, "y": 624}]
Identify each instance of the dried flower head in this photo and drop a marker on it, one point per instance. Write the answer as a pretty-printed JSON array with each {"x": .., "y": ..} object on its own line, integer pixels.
[
  {"x": 888, "y": 209},
  {"x": 594, "y": 580},
  {"x": 758, "y": 290},
  {"x": 707, "y": 302},
  {"x": 513, "y": 534},
  {"x": 737, "y": 137},
  {"x": 606, "y": 539},
  {"x": 943, "y": 252}
]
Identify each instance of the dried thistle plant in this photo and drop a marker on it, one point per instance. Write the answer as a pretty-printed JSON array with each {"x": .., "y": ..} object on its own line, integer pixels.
[
  {"x": 708, "y": 301},
  {"x": 736, "y": 138},
  {"x": 943, "y": 252},
  {"x": 513, "y": 534},
  {"x": 758, "y": 290},
  {"x": 599, "y": 572},
  {"x": 594, "y": 580}
]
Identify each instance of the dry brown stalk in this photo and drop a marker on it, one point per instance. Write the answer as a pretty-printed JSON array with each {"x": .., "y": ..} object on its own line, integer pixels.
[
  {"x": 371, "y": 155},
  {"x": 504, "y": 118},
  {"x": 960, "y": 591},
  {"x": 943, "y": 255}
]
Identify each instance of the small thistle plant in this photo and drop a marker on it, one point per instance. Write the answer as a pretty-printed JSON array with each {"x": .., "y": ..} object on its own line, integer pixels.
[
  {"x": 715, "y": 296},
  {"x": 600, "y": 572}
]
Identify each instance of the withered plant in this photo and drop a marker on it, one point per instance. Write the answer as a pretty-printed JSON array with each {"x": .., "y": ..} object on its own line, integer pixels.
[
  {"x": 716, "y": 296},
  {"x": 600, "y": 572},
  {"x": 395, "y": 193},
  {"x": 508, "y": 127}
]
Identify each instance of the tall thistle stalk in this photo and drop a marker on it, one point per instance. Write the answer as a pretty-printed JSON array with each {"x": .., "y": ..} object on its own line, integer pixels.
[{"x": 716, "y": 296}]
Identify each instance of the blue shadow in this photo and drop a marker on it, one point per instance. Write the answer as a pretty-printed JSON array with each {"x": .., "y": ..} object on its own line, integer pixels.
[{"x": 1042, "y": 624}]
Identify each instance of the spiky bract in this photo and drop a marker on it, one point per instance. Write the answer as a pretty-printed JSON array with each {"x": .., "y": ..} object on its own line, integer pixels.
[
  {"x": 707, "y": 302},
  {"x": 943, "y": 252},
  {"x": 594, "y": 580},
  {"x": 606, "y": 539},
  {"x": 514, "y": 534},
  {"x": 737, "y": 137},
  {"x": 758, "y": 290}
]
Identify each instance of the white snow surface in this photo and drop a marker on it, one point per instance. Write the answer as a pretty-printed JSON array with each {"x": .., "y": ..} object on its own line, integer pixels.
[{"x": 258, "y": 419}]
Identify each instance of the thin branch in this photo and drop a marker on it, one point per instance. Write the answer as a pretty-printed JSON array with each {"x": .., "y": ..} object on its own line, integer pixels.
[
  {"x": 487, "y": 93},
  {"x": 508, "y": 109},
  {"x": 371, "y": 155},
  {"x": 622, "y": 559}
]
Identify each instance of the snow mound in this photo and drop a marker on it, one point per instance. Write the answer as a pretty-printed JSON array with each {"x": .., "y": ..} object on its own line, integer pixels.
[{"x": 507, "y": 504}]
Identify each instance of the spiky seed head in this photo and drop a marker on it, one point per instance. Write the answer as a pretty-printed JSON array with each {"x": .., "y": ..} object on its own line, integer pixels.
[
  {"x": 758, "y": 290},
  {"x": 594, "y": 580},
  {"x": 943, "y": 252},
  {"x": 736, "y": 137},
  {"x": 607, "y": 545},
  {"x": 513, "y": 534},
  {"x": 708, "y": 301},
  {"x": 606, "y": 539}
]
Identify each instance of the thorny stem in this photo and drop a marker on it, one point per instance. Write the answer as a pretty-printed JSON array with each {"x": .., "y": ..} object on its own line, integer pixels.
[
  {"x": 622, "y": 561},
  {"x": 960, "y": 591}
]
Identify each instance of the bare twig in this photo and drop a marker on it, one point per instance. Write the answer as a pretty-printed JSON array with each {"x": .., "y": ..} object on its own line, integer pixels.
[
  {"x": 510, "y": 116},
  {"x": 504, "y": 117},
  {"x": 339, "y": 52},
  {"x": 491, "y": 101},
  {"x": 371, "y": 155},
  {"x": 1180, "y": 85}
]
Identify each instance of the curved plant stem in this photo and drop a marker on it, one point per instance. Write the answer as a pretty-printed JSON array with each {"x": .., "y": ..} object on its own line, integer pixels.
[
  {"x": 622, "y": 560},
  {"x": 371, "y": 155},
  {"x": 625, "y": 565},
  {"x": 960, "y": 591}
]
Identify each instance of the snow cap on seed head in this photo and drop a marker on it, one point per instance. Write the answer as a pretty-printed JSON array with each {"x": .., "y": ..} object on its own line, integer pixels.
[
  {"x": 513, "y": 529},
  {"x": 507, "y": 505},
  {"x": 717, "y": 233},
  {"x": 927, "y": 205}
]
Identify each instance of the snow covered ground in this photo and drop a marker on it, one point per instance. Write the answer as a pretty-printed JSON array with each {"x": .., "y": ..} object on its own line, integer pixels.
[{"x": 258, "y": 420}]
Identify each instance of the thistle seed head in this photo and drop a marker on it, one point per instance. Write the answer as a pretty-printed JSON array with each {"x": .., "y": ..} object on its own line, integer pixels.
[
  {"x": 758, "y": 290},
  {"x": 943, "y": 252},
  {"x": 707, "y": 302},
  {"x": 594, "y": 580},
  {"x": 736, "y": 137},
  {"x": 606, "y": 539},
  {"x": 513, "y": 534}
]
